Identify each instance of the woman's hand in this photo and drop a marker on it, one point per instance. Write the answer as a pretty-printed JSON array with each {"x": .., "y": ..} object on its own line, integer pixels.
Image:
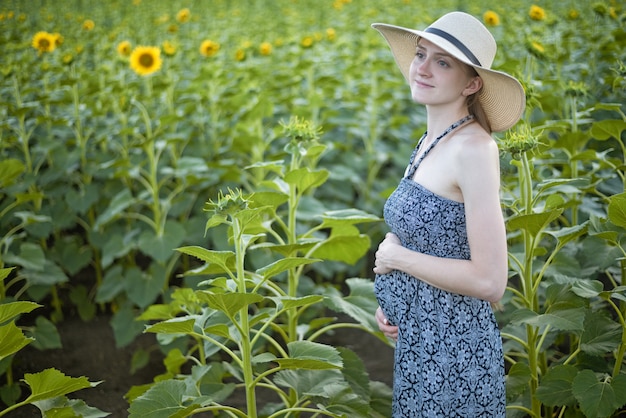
[
  {"x": 391, "y": 331},
  {"x": 384, "y": 254}
]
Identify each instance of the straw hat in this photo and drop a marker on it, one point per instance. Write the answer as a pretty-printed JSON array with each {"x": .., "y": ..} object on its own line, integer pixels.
[{"x": 468, "y": 40}]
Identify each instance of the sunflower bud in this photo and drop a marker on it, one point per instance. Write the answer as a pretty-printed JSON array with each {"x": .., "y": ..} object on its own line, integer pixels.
[
  {"x": 227, "y": 204},
  {"x": 519, "y": 141}
]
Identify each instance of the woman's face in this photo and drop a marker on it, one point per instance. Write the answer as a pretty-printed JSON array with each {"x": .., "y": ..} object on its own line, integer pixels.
[{"x": 437, "y": 78}]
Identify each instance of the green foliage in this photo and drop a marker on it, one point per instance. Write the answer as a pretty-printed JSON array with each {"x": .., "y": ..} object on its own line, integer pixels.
[
  {"x": 566, "y": 338},
  {"x": 261, "y": 319},
  {"x": 104, "y": 176},
  {"x": 49, "y": 387}
]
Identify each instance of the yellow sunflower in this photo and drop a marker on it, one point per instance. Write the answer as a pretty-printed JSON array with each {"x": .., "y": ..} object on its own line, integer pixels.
[
  {"x": 331, "y": 34},
  {"x": 88, "y": 25},
  {"x": 67, "y": 58},
  {"x": 209, "y": 48},
  {"x": 145, "y": 60},
  {"x": 265, "y": 48},
  {"x": 536, "y": 48},
  {"x": 44, "y": 42},
  {"x": 169, "y": 48},
  {"x": 58, "y": 39},
  {"x": 536, "y": 13},
  {"x": 183, "y": 15},
  {"x": 124, "y": 48},
  {"x": 307, "y": 42},
  {"x": 240, "y": 54},
  {"x": 491, "y": 18}
]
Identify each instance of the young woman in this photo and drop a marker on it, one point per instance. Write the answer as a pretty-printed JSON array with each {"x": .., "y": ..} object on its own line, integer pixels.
[{"x": 445, "y": 258}]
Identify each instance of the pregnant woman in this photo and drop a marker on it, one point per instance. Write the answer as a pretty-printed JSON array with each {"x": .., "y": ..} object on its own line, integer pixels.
[{"x": 445, "y": 257}]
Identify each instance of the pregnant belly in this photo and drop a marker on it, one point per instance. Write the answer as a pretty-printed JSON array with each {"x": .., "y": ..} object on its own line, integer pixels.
[{"x": 396, "y": 293}]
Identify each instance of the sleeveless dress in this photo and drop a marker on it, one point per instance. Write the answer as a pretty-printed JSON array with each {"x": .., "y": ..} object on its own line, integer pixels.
[{"x": 448, "y": 355}]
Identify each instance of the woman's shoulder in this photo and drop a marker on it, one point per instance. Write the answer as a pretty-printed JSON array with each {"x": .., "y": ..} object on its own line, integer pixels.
[{"x": 474, "y": 142}]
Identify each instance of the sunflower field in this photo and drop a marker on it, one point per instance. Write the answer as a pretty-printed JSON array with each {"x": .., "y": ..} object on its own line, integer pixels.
[{"x": 213, "y": 172}]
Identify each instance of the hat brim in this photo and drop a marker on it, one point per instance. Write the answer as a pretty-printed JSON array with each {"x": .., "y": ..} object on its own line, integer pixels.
[{"x": 502, "y": 96}]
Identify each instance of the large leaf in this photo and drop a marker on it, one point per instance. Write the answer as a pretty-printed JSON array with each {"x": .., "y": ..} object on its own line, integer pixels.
[
  {"x": 347, "y": 249},
  {"x": 565, "y": 235},
  {"x": 587, "y": 288},
  {"x": 143, "y": 287},
  {"x": 45, "y": 334},
  {"x": 9, "y": 311},
  {"x": 355, "y": 373},
  {"x": 360, "y": 304},
  {"x": 229, "y": 303},
  {"x": 287, "y": 302},
  {"x": 118, "y": 205},
  {"x": 80, "y": 200},
  {"x": 72, "y": 254},
  {"x": 339, "y": 399},
  {"x": 558, "y": 319},
  {"x": 161, "y": 247},
  {"x": 556, "y": 386},
  {"x": 182, "y": 325},
  {"x": 113, "y": 284},
  {"x": 62, "y": 407},
  {"x": 517, "y": 379},
  {"x": 346, "y": 216},
  {"x": 596, "y": 397},
  {"x": 12, "y": 340},
  {"x": 51, "y": 383},
  {"x": 311, "y": 355},
  {"x": 125, "y": 326},
  {"x": 304, "y": 178},
  {"x": 601, "y": 335},
  {"x": 51, "y": 275},
  {"x": 4, "y": 272},
  {"x": 225, "y": 260},
  {"x": 309, "y": 382},
  {"x": 284, "y": 264},
  {"x": 617, "y": 209},
  {"x": 10, "y": 170},
  {"x": 534, "y": 223},
  {"x": 562, "y": 185},
  {"x": 267, "y": 198},
  {"x": 619, "y": 386},
  {"x": 160, "y": 401},
  {"x": 606, "y": 129},
  {"x": 31, "y": 256}
]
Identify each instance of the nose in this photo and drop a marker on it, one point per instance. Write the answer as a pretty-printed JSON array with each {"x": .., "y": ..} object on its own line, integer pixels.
[{"x": 421, "y": 66}]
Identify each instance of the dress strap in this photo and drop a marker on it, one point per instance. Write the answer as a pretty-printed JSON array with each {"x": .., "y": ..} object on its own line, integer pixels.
[{"x": 413, "y": 166}]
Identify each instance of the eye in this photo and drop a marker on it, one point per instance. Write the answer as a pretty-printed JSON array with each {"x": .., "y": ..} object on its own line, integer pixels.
[
  {"x": 443, "y": 63},
  {"x": 419, "y": 54}
]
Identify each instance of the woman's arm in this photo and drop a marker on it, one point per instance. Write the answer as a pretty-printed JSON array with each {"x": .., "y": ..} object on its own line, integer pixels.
[{"x": 484, "y": 276}]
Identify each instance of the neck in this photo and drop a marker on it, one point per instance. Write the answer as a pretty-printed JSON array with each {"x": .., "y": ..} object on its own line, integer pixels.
[{"x": 440, "y": 118}]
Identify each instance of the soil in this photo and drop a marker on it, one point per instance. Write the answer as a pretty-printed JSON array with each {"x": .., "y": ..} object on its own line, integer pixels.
[{"x": 89, "y": 350}]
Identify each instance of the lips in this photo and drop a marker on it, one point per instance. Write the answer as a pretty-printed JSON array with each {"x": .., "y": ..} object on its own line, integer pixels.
[{"x": 422, "y": 84}]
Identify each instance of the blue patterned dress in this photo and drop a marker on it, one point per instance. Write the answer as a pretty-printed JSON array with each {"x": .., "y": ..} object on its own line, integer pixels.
[{"x": 448, "y": 356}]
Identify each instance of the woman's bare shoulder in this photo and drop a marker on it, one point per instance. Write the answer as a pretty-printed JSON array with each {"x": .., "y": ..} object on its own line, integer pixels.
[{"x": 475, "y": 142}]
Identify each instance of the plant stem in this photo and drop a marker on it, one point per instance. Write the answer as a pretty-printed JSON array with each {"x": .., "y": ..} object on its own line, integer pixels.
[
  {"x": 530, "y": 293},
  {"x": 292, "y": 239},
  {"x": 244, "y": 344},
  {"x": 22, "y": 132},
  {"x": 152, "y": 175},
  {"x": 574, "y": 162}
]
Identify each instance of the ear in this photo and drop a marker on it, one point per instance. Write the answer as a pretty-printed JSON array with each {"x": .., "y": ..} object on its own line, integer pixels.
[{"x": 473, "y": 86}]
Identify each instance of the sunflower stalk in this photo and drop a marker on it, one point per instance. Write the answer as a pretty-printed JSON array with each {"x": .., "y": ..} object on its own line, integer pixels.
[{"x": 520, "y": 144}]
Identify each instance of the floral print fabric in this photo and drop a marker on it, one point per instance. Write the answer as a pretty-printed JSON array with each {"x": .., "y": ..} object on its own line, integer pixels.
[{"x": 448, "y": 356}]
